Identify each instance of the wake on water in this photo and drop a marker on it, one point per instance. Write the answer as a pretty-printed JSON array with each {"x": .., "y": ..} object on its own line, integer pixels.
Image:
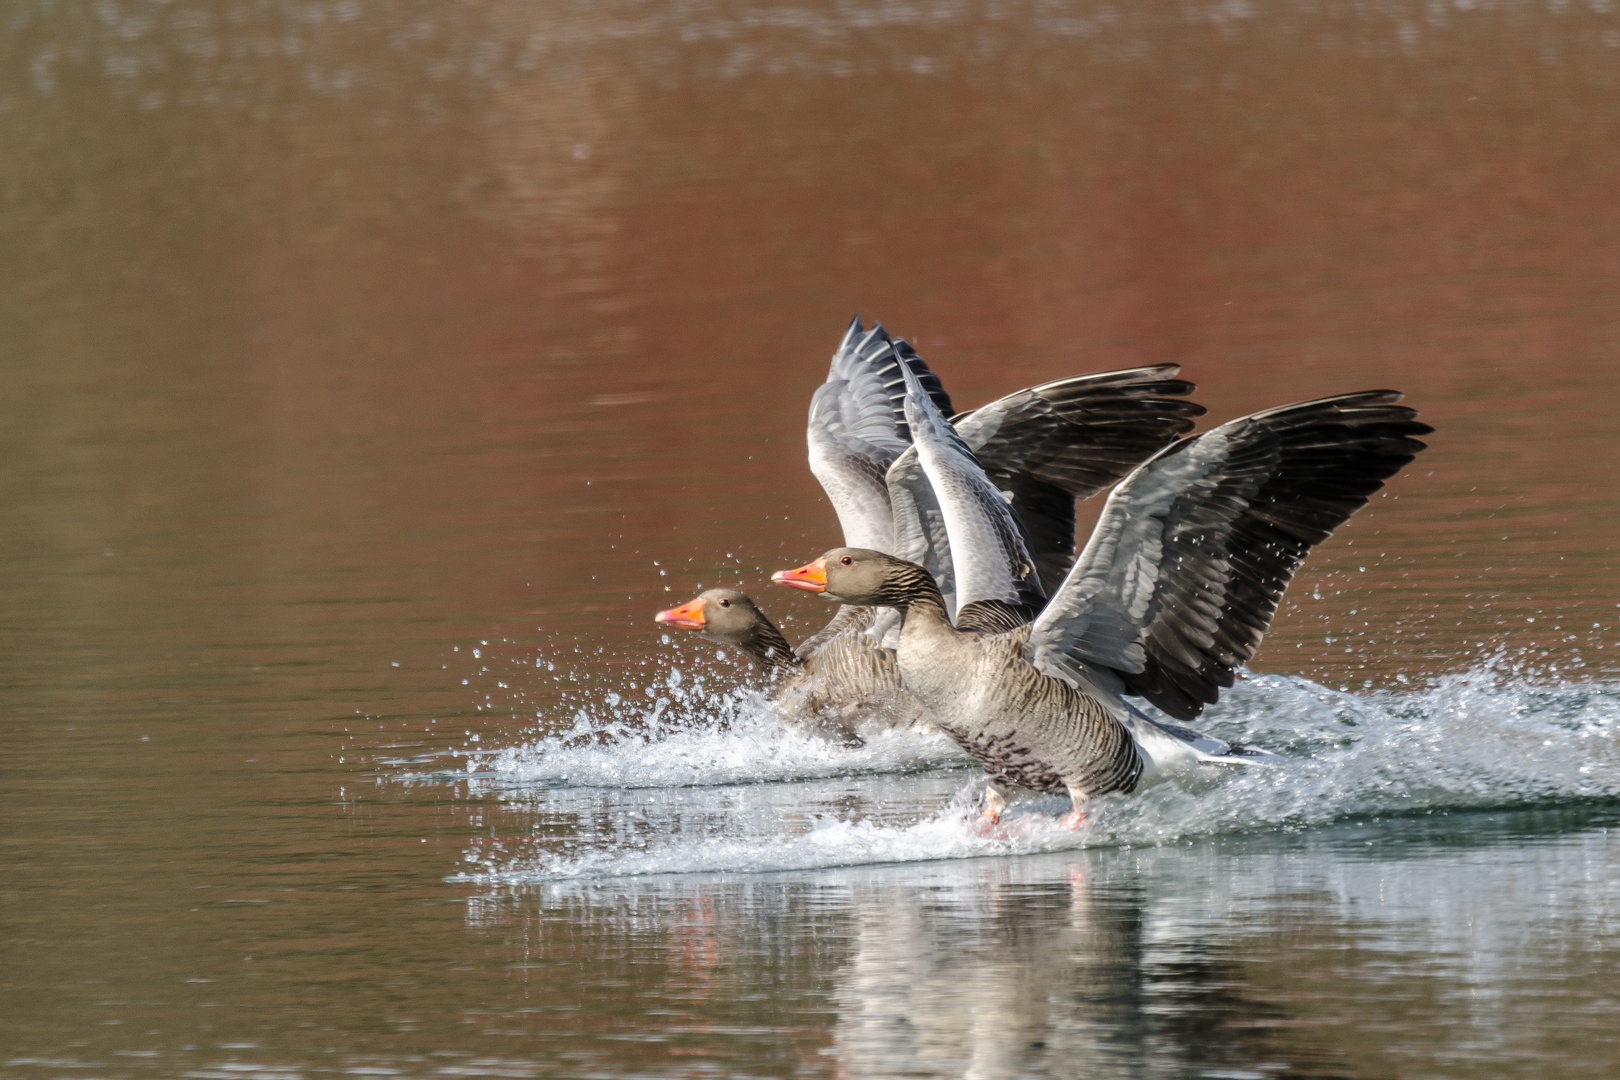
[{"x": 718, "y": 783}]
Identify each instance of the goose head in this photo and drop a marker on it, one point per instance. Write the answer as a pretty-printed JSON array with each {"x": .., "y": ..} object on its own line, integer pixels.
[
  {"x": 723, "y": 615},
  {"x": 849, "y": 576}
]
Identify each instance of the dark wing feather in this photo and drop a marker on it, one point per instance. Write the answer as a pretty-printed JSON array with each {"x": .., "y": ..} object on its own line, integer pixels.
[
  {"x": 878, "y": 357},
  {"x": 1192, "y": 553},
  {"x": 1047, "y": 515},
  {"x": 1065, "y": 440},
  {"x": 895, "y": 383}
]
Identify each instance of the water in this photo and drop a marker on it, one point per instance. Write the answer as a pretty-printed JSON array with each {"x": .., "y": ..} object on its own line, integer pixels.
[
  {"x": 755, "y": 796},
  {"x": 375, "y": 372}
]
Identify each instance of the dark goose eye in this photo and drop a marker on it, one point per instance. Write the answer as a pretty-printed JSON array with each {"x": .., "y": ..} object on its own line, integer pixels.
[
  {"x": 847, "y": 561},
  {"x": 725, "y": 603}
]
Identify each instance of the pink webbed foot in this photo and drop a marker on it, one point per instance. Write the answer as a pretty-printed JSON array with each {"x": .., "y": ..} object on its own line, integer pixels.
[
  {"x": 991, "y": 805},
  {"x": 1073, "y": 819},
  {"x": 987, "y": 823}
]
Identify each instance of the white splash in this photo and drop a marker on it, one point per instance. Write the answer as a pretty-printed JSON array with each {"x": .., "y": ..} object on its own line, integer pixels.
[
  {"x": 754, "y": 796},
  {"x": 736, "y": 739},
  {"x": 828, "y": 842}
]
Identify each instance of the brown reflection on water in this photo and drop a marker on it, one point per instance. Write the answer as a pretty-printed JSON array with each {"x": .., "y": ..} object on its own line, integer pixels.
[
  {"x": 341, "y": 335},
  {"x": 412, "y": 277}
]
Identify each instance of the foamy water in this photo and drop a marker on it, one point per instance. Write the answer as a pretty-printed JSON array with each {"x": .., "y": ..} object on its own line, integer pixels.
[
  {"x": 727, "y": 787},
  {"x": 740, "y": 740}
]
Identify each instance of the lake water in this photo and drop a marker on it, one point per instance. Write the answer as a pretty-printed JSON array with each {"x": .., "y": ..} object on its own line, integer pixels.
[{"x": 375, "y": 371}]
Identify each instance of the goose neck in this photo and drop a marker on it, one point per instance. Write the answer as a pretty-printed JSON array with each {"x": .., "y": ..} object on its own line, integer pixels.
[
  {"x": 770, "y": 650},
  {"x": 912, "y": 590}
]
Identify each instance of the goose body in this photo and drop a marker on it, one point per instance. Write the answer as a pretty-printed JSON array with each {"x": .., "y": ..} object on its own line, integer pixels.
[
  {"x": 1034, "y": 730},
  {"x": 847, "y": 679},
  {"x": 1027, "y": 729}
]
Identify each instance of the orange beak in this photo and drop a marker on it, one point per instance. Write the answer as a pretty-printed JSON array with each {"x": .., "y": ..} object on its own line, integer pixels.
[
  {"x": 811, "y": 577},
  {"x": 689, "y": 615}
]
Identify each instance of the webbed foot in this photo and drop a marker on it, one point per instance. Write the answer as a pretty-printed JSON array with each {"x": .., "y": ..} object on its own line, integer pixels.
[
  {"x": 1073, "y": 819},
  {"x": 986, "y": 823},
  {"x": 993, "y": 802}
]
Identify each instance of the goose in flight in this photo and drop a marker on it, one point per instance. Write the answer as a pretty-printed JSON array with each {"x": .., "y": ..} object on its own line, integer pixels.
[
  {"x": 1045, "y": 446},
  {"x": 1172, "y": 594}
]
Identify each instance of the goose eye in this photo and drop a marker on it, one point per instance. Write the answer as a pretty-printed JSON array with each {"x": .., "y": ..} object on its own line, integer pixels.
[
  {"x": 847, "y": 561},
  {"x": 725, "y": 603}
]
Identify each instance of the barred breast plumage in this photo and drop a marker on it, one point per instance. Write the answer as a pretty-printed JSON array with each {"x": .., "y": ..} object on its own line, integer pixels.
[{"x": 1027, "y": 729}]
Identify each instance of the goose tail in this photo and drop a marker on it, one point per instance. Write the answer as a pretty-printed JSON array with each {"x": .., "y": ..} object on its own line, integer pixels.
[{"x": 1168, "y": 747}]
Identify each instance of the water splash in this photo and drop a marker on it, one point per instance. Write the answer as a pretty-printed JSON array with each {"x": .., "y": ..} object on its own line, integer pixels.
[
  {"x": 824, "y": 840},
  {"x": 751, "y": 795},
  {"x": 699, "y": 740}
]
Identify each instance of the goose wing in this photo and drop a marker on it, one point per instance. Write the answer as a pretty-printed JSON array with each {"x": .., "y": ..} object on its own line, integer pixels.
[
  {"x": 1187, "y": 564},
  {"x": 858, "y": 427},
  {"x": 1069, "y": 439},
  {"x": 950, "y": 519},
  {"x": 848, "y": 620}
]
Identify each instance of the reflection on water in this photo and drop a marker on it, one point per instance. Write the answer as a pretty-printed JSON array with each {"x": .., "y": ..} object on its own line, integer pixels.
[
  {"x": 376, "y": 370},
  {"x": 1425, "y": 944}
]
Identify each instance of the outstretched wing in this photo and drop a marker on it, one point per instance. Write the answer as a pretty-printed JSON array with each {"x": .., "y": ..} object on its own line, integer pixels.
[
  {"x": 1192, "y": 553},
  {"x": 1065, "y": 440},
  {"x": 947, "y": 507},
  {"x": 858, "y": 427}
]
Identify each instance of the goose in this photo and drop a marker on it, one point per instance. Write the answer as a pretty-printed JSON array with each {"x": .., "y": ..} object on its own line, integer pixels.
[
  {"x": 1046, "y": 446},
  {"x": 833, "y": 682},
  {"x": 1172, "y": 594}
]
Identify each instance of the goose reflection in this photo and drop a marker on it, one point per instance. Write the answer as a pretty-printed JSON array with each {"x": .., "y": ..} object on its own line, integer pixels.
[{"x": 1001, "y": 978}]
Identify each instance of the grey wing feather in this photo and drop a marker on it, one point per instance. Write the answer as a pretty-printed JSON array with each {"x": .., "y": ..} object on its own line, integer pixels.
[
  {"x": 885, "y": 629},
  {"x": 888, "y": 370},
  {"x": 919, "y": 523},
  {"x": 853, "y": 439},
  {"x": 988, "y": 557},
  {"x": 858, "y": 427},
  {"x": 1099, "y": 614},
  {"x": 848, "y": 620},
  {"x": 1189, "y": 560}
]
